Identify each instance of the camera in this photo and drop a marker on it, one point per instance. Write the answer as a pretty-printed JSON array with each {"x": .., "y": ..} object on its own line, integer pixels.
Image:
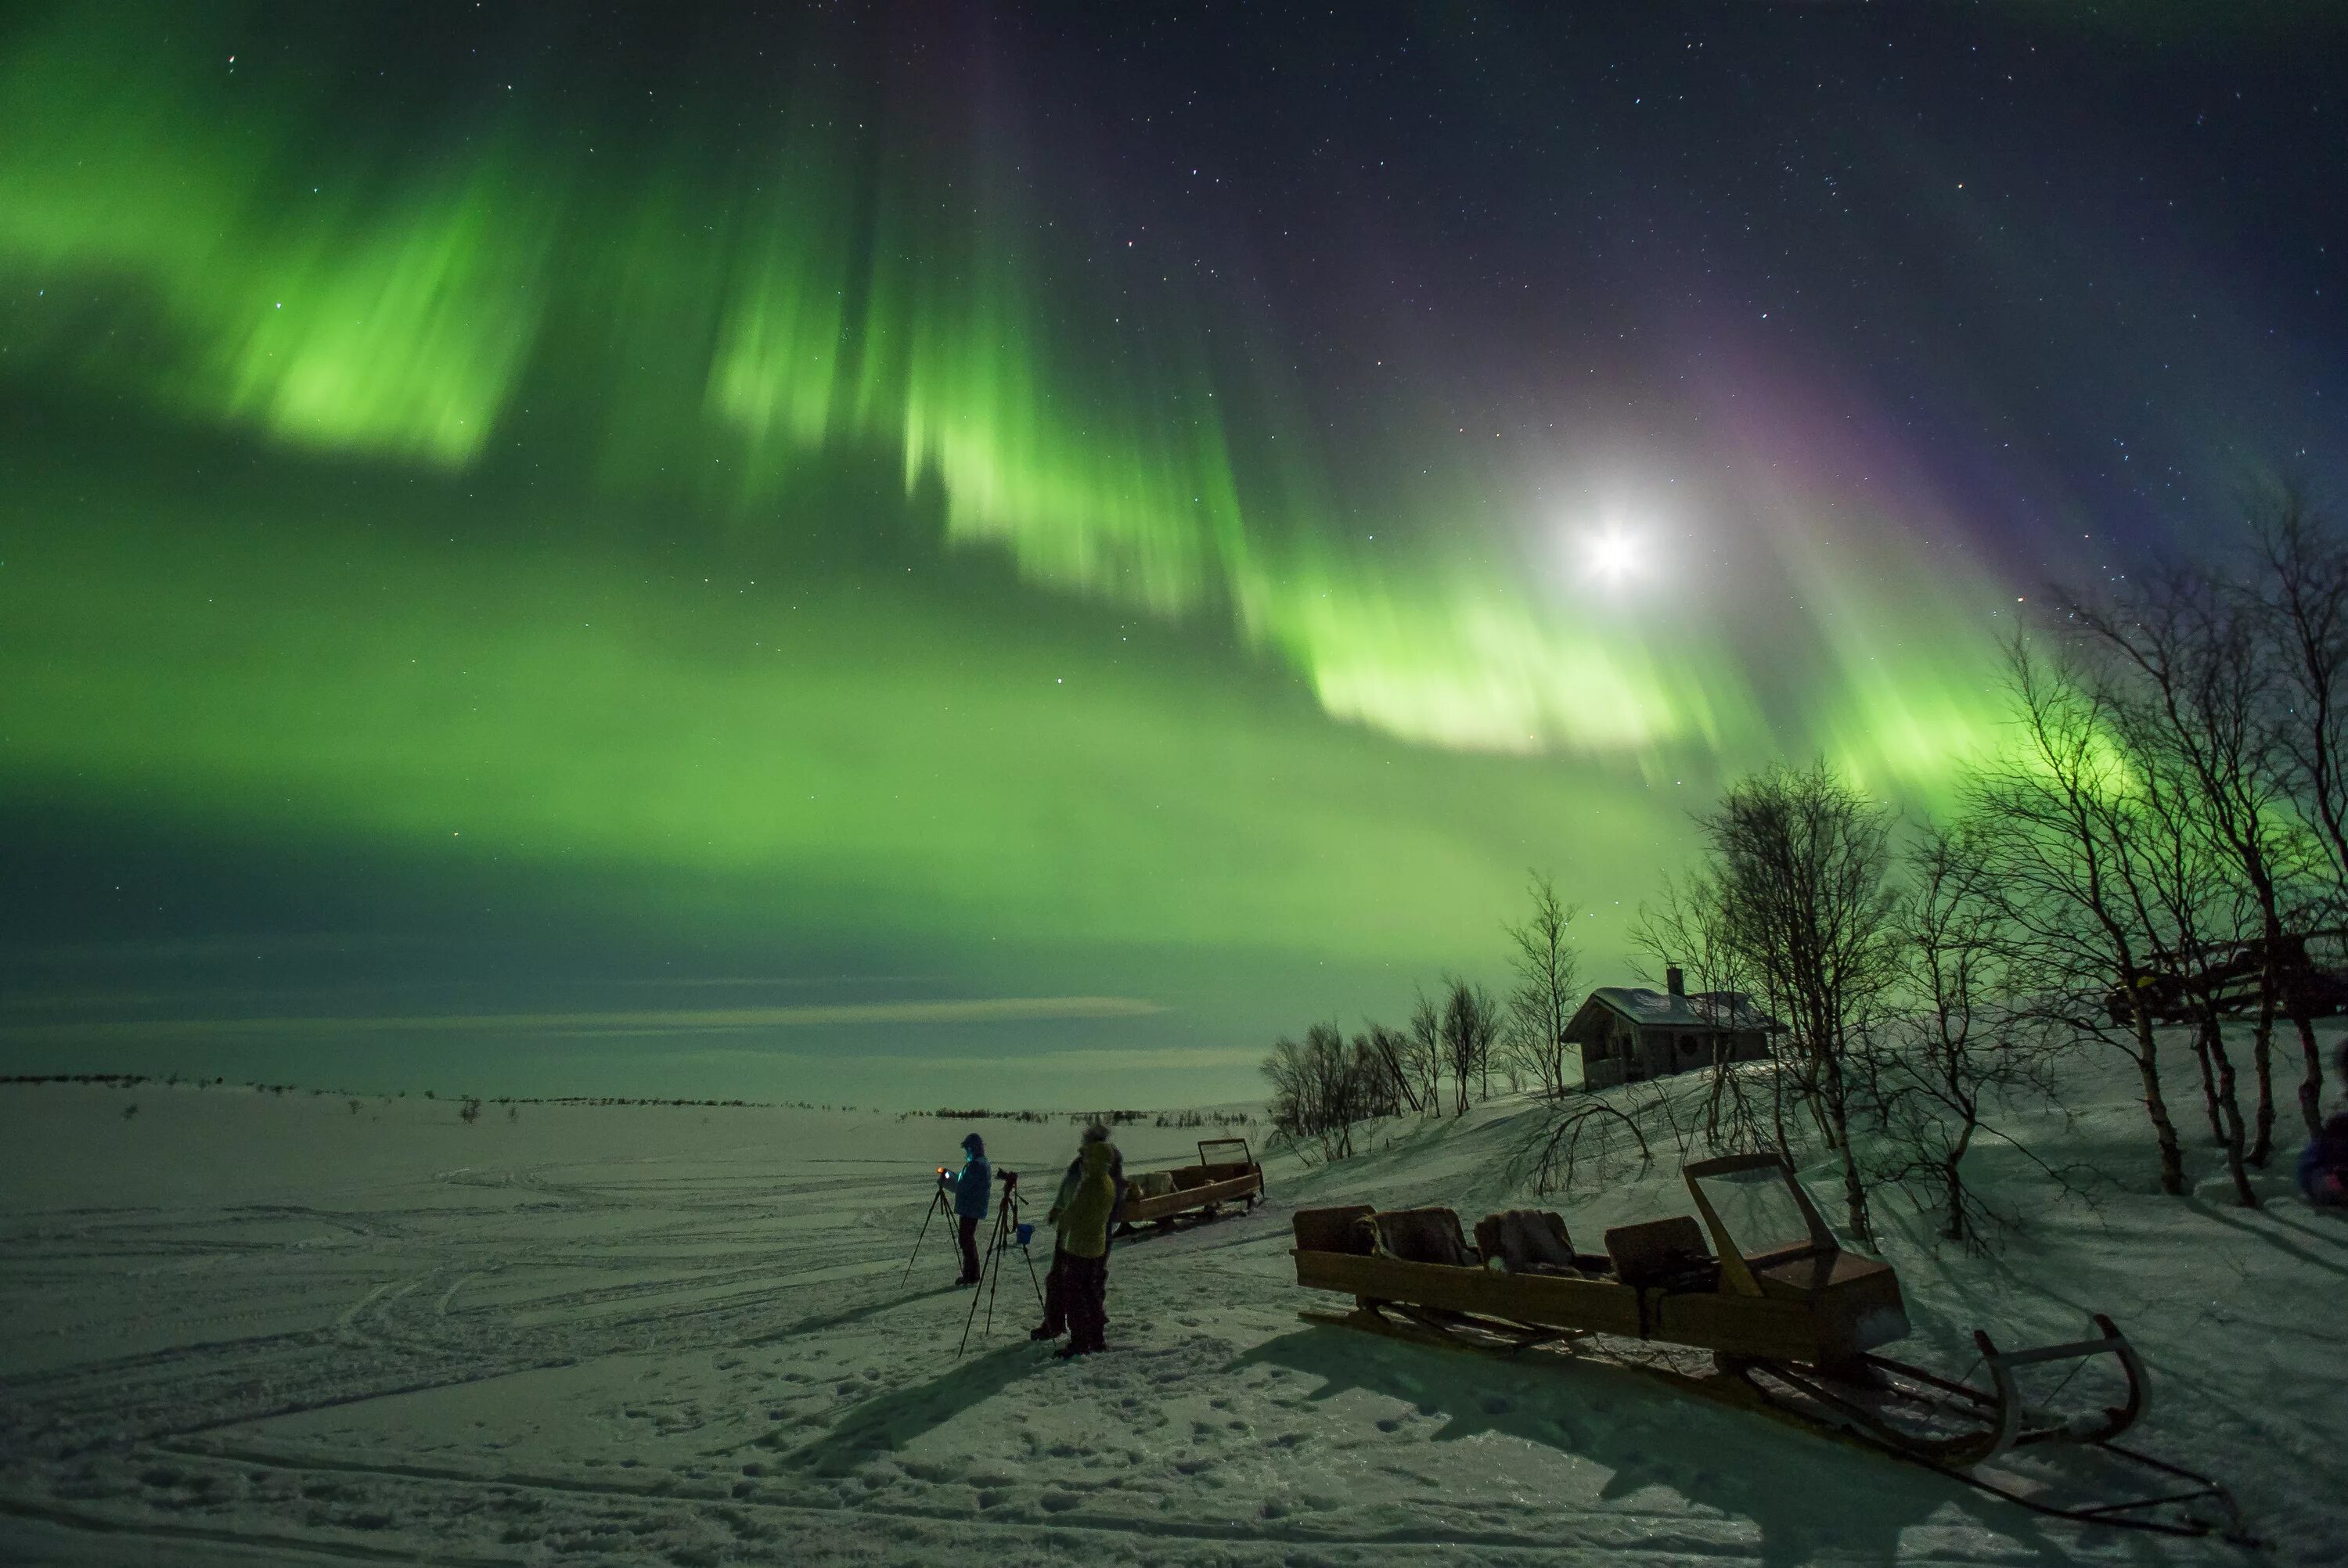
[{"x": 1010, "y": 1179}]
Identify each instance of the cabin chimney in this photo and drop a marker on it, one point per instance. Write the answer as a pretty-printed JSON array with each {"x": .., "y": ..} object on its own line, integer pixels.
[{"x": 1673, "y": 981}]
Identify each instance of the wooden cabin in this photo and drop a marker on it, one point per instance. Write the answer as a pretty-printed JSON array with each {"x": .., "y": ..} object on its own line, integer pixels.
[{"x": 1626, "y": 1033}]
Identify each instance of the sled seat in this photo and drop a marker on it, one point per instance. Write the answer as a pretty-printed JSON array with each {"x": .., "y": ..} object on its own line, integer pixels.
[
  {"x": 1347, "y": 1230},
  {"x": 1423, "y": 1236},
  {"x": 1154, "y": 1183},
  {"x": 1667, "y": 1254},
  {"x": 1534, "y": 1241}
]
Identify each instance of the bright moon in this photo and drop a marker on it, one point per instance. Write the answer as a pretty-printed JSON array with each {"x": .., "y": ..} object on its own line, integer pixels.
[{"x": 1614, "y": 555}]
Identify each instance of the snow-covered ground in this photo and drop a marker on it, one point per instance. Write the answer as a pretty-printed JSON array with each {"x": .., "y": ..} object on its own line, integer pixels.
[{"x": 248, "y": 1327}]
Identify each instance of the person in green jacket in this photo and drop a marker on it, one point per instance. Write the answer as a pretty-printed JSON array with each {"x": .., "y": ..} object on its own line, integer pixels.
[{"x": 1081, "y": 1215}]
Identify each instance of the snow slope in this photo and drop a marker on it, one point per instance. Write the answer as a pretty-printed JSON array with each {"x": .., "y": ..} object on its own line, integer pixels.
[{"x": 255, "y": 1328}]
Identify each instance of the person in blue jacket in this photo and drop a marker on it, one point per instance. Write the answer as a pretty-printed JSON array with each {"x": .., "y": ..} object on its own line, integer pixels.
[
  {"x": 970, "y": 1191},
  {"x": 2324, "y": 1164}
]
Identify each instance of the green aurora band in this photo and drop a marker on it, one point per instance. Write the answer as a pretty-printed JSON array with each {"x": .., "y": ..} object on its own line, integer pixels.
[
  {"x": 401, "y": 318},
  {"x": 531, "y": 346}
]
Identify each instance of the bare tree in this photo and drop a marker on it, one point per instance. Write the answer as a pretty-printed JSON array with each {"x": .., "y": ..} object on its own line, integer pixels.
[
  {"x": 1956, "y": 1041},
  {"x": 1470, "y": 1024},
  {"x": 1425, "y": 1033},
  {"x": 1687, "y": 928},
  {"x": 1321, "y": 1087},
  {"x": 1394, "y": 1056},
  {"x": 1802, "y": 861},
  {"x": 2199, "y": 915},
  {"x": 2058, "y": 821},
  {"x": 1583, "y": 1131},
  {"x": 2192, "y": 655},
  {"x": 1547, "y": 990},
  {"x": 2303, "y": 591}
]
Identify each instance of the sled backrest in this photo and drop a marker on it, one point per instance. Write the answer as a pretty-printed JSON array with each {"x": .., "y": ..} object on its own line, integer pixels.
[
  {"x": 1525, "y": 1240},
  {"x": 1224, "y": 1158},
  {"x": 1347, "y": 1229},
  {"x": 1423, "y": 1236},
  {"x": 1661, "y": 1252}
]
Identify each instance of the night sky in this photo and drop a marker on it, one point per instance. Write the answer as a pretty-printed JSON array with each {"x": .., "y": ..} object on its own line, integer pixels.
[{"x": 941, "y": 554}]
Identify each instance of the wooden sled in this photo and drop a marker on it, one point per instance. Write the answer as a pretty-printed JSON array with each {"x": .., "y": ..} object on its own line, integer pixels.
[
  {"x": 1791, "y": 1326},
  {"x": 1226, "y": 1172}
]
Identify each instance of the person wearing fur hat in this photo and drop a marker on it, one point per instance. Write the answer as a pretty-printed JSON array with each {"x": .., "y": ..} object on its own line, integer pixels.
[
  {"x": 1081, "y": 1215},
  {"x": 1055, "y": 1278},
  {"x": 971, "y": 1190}
]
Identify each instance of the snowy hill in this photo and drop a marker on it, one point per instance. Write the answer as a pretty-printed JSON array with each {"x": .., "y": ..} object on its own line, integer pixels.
[{"x": 254, "y": 1329}]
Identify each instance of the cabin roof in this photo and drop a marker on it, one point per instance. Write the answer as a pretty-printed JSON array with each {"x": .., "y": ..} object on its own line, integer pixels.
[{"x": 1699, "y": 1010}]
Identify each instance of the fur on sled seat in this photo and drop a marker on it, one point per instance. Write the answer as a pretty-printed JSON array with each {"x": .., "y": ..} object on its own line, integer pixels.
[
  {"x": 1525, "y": 1241},
  {"x": 1154, "y": 1183},
  {"x": 1346, "y": 1230},
  {"x": 1668, "y": 1252},
  {"x": 1423, "y": 1236},
  {"x": 1534, "y": 1241}
]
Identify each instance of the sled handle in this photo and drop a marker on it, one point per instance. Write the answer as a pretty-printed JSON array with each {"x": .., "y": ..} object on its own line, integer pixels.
[{"x": 2117, "y": 1418}]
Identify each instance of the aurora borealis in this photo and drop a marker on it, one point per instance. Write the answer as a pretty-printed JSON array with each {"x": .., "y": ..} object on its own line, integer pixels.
[{"x": 681, "y": 514}]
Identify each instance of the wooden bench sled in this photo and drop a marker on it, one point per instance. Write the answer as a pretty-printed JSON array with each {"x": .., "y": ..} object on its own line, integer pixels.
[
  {"x": 1793, "y": 1326},
  {"x": 1227, "y": 1172}
]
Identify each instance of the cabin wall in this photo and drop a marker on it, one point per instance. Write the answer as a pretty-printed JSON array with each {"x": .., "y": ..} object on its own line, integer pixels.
[
  {"x": 1608, "y": 1048},
  {"x": 1663, "y": 1051},
  {"x": 1656, "y": 1052}
]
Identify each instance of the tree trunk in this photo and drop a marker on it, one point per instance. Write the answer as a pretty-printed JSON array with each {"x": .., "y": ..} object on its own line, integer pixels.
[
  {"x": 2208, "y": 1086},
  {"x": 1854, "y": 1190},
  {"x": 1825, "y": 1099},
  {"x": 2214, "y": 1047},
  {"x": 2310, "y": 1087},
  {"x": 2262, "y": 1068},
  {"x": 1959, "y": 1228},
  {"x": 2164, "y": 1131},
  {"x": 1777, "y": 1095},
  {"x": 1854, "y": 1198}
]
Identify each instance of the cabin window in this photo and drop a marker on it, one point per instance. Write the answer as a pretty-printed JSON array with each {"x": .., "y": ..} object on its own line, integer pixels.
[{"x": 1687, "y": 1045}]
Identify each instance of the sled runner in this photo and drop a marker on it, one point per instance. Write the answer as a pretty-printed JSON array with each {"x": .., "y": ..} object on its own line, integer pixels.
[
  {"x": 1226, "y": 1174},
  {"x": 1791, "y": 1321}
]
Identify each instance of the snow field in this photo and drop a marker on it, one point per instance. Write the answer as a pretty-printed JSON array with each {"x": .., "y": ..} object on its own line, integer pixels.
[{"x": 247, "y": 1328}]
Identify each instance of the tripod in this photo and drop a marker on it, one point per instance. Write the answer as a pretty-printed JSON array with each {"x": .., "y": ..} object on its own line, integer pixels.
[
  {"x": 1005, "y": 1238},
  {"x": 938, "y": 1205}
]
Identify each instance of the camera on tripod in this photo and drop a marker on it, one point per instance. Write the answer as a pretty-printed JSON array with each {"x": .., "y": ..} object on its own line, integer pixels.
[{"x": 1011, "y": 1234}]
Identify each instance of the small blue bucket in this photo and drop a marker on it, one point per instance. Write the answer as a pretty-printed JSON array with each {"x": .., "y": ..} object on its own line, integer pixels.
[{"x": 1026, "y": 1233}]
